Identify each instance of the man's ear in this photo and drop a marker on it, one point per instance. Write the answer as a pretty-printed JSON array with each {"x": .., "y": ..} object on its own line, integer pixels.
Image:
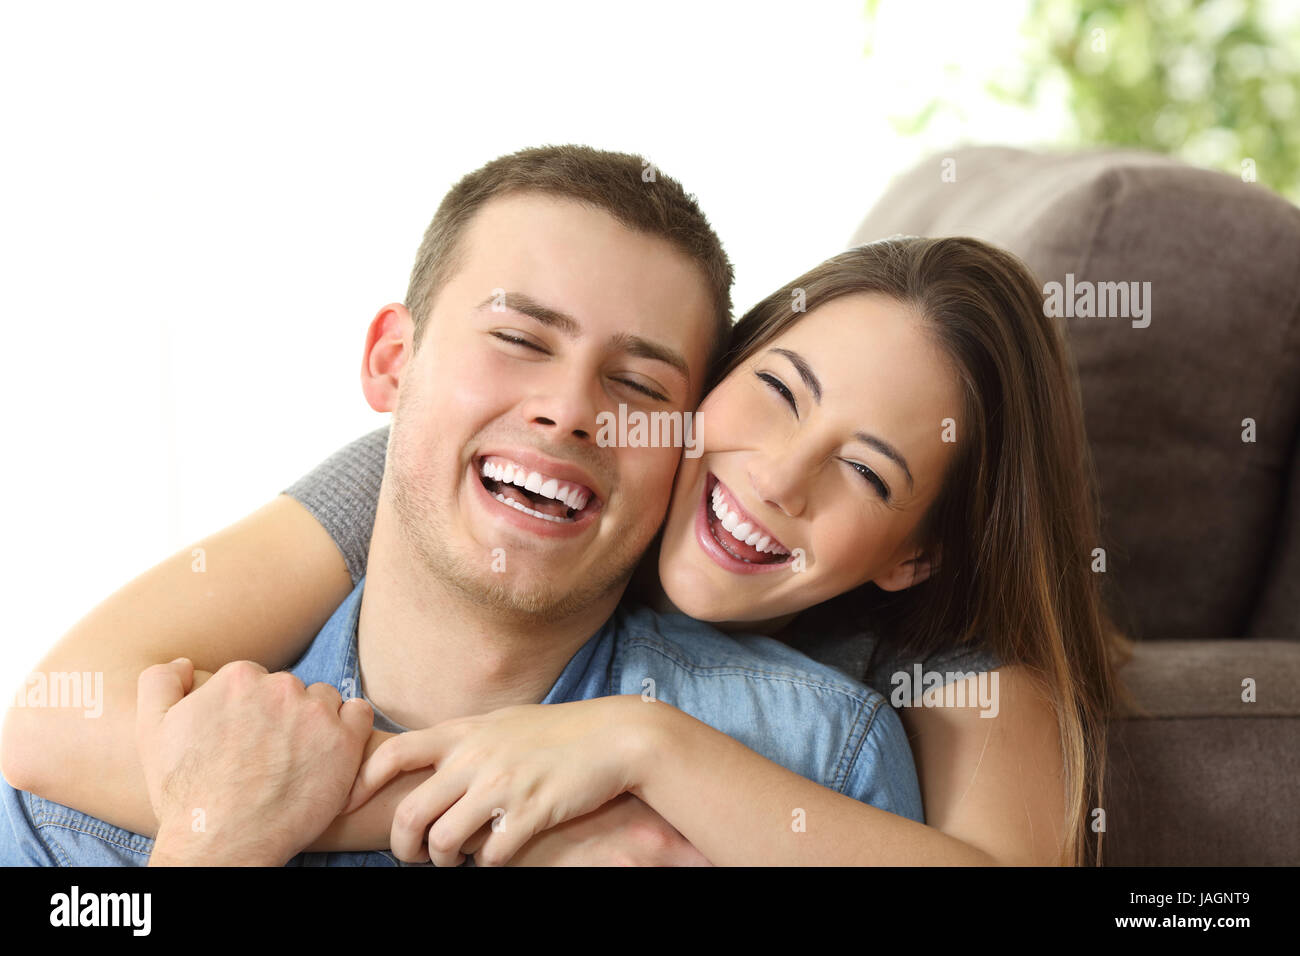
[
  {"x": 912, "y": 569},
  {"x": 388, "y": 348}
]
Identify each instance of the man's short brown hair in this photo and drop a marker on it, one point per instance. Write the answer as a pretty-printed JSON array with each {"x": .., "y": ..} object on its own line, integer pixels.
[{"x": 624, "y": 185}]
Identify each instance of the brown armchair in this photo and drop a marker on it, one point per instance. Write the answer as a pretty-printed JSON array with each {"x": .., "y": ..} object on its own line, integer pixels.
[{"x": 1201, "y": 527}]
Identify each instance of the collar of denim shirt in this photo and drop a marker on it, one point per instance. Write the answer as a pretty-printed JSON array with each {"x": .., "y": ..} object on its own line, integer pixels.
[{"x": 333, "y": 658}]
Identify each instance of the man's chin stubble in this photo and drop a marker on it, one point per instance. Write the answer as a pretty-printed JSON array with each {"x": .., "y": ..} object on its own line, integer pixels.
[{"x": 422, "y": 531}]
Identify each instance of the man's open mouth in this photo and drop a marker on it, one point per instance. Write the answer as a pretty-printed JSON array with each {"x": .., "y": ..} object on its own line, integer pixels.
[
  {"x": 736, "y": 531},
  {"x": 535, "y": 493}
]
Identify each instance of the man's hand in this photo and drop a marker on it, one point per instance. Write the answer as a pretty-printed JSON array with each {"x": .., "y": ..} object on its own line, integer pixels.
[
  {"x": 623, "y": 832},
  {"x": 250, "y": 768}
]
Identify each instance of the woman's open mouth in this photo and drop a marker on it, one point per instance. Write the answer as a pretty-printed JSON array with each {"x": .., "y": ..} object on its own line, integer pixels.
[{"x": 732, "y": 537}]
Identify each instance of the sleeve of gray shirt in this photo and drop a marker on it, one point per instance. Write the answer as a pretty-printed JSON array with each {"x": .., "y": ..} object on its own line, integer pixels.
[
  {"x": 951, "y": 664},
  {"x": 848, "y": 641},
  {"x": 342, "y": 493}
]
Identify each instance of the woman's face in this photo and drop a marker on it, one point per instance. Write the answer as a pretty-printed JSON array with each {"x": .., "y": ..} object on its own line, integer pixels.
[{"x": 822, "y": 451}]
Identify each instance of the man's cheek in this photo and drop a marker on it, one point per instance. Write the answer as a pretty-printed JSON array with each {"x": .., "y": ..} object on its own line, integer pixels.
[
  {"x": 467, "y": 393},
  {"x": 650, "y": 473}
]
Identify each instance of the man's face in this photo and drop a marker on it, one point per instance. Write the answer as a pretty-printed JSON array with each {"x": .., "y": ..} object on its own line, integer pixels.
[{"x": 556, "y": 313}]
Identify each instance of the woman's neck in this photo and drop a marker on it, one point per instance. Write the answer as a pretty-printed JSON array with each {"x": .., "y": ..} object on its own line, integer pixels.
[{"x": 774, "y": 627}]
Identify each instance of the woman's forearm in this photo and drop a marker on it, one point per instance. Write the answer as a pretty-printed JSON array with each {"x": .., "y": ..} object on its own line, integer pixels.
[
  {"x": 85, "y": 761},
  {"x": 258, "y": 590},
  {"x": 114, "y": 789},
  {"x": 369, "y": 827},
  {"x": 739, "y": 809}
]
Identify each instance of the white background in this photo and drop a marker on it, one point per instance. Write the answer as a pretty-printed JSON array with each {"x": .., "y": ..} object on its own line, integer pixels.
[{"x": 203, "y": 205}]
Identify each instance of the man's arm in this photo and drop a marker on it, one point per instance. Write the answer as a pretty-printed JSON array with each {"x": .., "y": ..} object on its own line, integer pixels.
[{"x": 248, "y": 769}]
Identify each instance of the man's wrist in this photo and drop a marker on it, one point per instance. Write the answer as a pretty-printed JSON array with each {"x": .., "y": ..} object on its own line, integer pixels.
[{"x": 181, "y": 846}]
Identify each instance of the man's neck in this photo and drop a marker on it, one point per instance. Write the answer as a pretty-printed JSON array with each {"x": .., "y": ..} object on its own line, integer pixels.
[{"x": 428, "y": 653}]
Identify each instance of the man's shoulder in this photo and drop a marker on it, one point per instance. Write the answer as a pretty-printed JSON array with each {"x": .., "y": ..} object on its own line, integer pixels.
[
  {"x": 331, "y": 657},
  {"x": 805, "y": 716},
  {"x": 697, "y": 646}
]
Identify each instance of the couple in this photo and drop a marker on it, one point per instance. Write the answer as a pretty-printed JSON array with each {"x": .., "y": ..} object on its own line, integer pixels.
[{"x": 892, "y": 441}]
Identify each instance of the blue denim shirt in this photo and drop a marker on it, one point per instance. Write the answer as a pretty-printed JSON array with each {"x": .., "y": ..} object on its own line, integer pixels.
[{"x": 803, "y": 715}]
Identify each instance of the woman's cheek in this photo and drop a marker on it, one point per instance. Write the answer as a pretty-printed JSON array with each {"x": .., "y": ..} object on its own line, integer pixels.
[
  {"x": 842, "y": 551},
  {"x": 732, "y": 418}
]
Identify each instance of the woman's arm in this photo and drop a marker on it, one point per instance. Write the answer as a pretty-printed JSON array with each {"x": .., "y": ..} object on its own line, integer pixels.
[
  {"x": 992, "y": 788},
  {"x": 267, "y": 586},
  {"x": 992, "y": 785}
]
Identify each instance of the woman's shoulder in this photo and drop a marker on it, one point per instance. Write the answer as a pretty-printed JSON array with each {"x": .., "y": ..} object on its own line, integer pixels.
[{"x": 846, "y": 635}]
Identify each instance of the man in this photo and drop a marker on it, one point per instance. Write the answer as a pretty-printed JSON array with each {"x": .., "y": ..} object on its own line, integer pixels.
[{"x": 553, "y": 285}]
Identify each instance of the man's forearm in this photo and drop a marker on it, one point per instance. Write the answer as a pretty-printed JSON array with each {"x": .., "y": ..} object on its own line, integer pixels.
[{"x": 99, "y": 772}]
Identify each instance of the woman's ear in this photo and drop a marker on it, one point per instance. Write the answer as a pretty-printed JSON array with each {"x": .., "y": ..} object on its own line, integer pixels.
[
  {"x": 913, "y": 569},
  {"x": 388, "y": 347}
]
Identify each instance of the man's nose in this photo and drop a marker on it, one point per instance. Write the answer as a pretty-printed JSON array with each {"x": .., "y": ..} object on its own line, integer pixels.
[{"x": 564, "y": 408}]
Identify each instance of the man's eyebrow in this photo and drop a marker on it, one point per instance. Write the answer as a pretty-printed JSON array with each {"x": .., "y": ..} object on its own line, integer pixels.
[
  {"x": 805, "y": 372},
  {"x": 644, "y": 348},
  {"x": 571, "y": 328},
  {"x": 562, "y": 322}
]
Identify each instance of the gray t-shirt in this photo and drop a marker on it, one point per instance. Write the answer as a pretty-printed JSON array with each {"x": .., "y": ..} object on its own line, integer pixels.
[{"x": 343, "y": 490}]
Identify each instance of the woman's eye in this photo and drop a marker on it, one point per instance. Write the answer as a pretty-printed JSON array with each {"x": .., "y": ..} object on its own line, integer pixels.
[
  {"x": 516, "y": 340},
  {"x": 778, "y": 386},
  {"x": 872, "y": 478}
]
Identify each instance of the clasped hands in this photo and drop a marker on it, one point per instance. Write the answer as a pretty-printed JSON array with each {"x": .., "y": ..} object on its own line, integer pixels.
[{"x": 251, "y": 767}]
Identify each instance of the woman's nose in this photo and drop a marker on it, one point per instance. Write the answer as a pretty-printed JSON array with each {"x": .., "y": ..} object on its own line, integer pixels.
[{"x": 781, "y": 480}]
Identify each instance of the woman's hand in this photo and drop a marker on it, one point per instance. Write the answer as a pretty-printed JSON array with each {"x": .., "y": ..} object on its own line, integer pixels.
[
  {"x": 511, "y": 774},
  {"x": 623, "y": 832}
]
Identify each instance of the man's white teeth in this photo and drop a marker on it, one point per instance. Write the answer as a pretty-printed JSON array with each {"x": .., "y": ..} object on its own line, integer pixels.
[
  {"x": 534, "y": 481},
  {"x": 741, "y": 531},
  {"x": 526, "y": 510}
]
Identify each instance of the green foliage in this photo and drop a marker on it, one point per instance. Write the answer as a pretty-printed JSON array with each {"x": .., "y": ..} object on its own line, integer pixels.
[{"x": 1216, "y": 83}]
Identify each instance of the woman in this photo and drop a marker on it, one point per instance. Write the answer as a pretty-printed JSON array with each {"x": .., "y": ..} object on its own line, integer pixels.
[{"x": 897, "y": 432}]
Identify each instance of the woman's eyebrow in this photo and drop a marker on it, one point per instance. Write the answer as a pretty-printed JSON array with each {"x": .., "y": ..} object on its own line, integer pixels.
[
  {"x": 805, "y": 372},
  {"x": 888, "y": 450},
  {"x": 871, "y": 441}
]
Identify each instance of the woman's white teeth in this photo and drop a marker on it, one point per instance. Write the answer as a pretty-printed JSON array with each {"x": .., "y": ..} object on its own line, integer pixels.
[
  {"x": 536, "y": 482},
  {"x": 742, "y": 531}
]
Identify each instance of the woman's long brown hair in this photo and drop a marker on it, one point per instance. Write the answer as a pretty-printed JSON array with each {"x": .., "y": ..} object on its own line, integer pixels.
[{"x": 1016, "y": 521}]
